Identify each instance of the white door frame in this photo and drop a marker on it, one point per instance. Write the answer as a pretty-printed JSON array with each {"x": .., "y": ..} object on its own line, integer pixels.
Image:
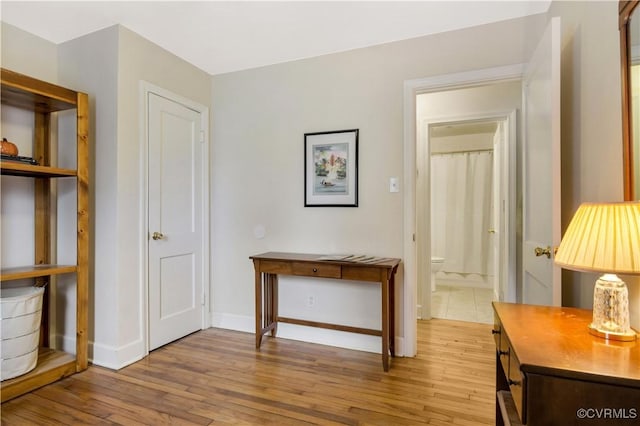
[
  {"x": 412, "y": 88},
  {"x": 145, "y": 89}
]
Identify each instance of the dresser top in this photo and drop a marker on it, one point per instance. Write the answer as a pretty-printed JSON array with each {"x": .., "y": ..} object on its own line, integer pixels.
[{"x": 555, "y": 340}]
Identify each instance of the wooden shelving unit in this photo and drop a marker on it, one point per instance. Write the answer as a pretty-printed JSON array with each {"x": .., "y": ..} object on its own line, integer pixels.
[{"x": 44, "y": 99}]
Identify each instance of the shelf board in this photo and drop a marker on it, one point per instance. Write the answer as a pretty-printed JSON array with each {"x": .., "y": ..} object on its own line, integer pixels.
[
  {"x": 21, "y": 169},
  {"x": 52, "y": 365},
  {"x": 34, "y": 271},
  {"x": 36, "y": 95}
]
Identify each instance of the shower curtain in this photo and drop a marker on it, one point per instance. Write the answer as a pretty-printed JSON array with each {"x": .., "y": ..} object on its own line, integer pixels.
[{"x": 461, "y": 207}]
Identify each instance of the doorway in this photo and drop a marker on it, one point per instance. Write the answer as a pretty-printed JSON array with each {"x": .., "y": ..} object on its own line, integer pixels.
[
  {"x": 416, "y": 231},
  {"x": 473, "y": 128},
  {"x": 545, "y": 62},
  {"x": 467, "y": 220}
]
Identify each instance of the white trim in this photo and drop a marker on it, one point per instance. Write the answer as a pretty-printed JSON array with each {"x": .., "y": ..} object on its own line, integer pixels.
[
  {"x": 411, "y": 89},
  {"x": 145, "y": 89},
  {"x": 107, "y": 356},
  {"x": 116, "y": 358}
]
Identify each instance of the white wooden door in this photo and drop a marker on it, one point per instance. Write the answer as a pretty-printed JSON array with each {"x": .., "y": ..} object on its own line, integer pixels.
[
  {"x": 175, "y": 255},
  {"x": 541, "y": 171}
]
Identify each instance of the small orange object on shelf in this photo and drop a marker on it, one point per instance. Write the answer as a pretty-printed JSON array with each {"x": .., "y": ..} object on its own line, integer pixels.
[{"x": 8, "y": 148}]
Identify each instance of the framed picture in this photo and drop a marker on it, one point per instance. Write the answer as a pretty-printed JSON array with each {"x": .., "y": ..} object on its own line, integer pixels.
[{"x": 331, "y": 169}]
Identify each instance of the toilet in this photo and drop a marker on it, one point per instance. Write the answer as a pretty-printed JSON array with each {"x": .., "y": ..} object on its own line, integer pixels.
[{"x": 436, "y": 265}]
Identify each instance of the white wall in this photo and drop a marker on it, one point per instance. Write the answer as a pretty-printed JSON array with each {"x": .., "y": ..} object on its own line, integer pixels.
[
  {"x": 462, "y": 143},
  {"x": 259, "y": 119},
  {"x": 90, "y": 65},
  {"x": 591, "y": 125},
  {"x": 109, "y": 65},
  {"x": 28, "y": 54}
]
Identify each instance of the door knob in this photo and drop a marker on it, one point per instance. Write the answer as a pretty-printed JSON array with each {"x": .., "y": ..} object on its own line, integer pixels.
[
  {"x": 492, "y": 231},
  {"x": 543, "y": 252},
  {"x": 157, "y": 235}
]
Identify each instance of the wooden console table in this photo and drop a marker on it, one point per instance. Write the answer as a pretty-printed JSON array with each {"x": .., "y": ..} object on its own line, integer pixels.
[
  {"x": 551, "y": 371},
  {"x": 269, "y": 265}
]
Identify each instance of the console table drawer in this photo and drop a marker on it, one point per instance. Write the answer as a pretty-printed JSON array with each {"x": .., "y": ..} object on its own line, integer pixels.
[
  {"x": 361, "y": 273},
  {"x": 317, "y": 270},
  {"x": 275, "y": 267}
]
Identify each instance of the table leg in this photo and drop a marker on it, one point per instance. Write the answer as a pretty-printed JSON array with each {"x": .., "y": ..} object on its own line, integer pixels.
[
  {"x": 258, "y": 301},
  {"x": 392, "y": 313},
  {"x": 385, "y": 324},
  {"x": 274, "y": 304},
  {"x": 270, "y": 303}
]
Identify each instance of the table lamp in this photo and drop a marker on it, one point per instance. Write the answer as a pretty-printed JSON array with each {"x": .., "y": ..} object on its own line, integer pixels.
[{"x": 605, "y": 237}]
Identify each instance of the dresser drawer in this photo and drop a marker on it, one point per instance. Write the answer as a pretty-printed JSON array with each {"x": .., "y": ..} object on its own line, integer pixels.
[
  {"x": 511, "y": 367},
  {"x": 317, "y": 270},
  {"x": 516, "y": 384},
  {"x": 497, "y": 331}
]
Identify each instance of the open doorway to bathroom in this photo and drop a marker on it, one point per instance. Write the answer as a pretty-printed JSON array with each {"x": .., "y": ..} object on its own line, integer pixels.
[
  {"x": 464, "y": 217},
  {"x": 465, "y": 200}
]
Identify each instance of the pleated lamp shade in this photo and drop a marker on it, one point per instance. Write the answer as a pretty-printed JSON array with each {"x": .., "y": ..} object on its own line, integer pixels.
[{"x": 602, "y": 237}]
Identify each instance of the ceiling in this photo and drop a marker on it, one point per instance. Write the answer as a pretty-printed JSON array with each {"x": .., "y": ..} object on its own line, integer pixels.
[{"x": 220, "y": 37}]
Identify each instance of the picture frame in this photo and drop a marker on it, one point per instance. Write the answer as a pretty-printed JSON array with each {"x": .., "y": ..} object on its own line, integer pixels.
[{"x": 331, "y": 169}]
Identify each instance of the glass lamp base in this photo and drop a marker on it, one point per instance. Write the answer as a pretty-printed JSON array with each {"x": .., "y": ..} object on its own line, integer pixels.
[
  {"x": 611, "y": 310},
  {"x": 620, "y": 337}
]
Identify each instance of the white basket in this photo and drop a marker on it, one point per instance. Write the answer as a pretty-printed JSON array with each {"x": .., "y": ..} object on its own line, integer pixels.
[{"x": 21, "y": 313}]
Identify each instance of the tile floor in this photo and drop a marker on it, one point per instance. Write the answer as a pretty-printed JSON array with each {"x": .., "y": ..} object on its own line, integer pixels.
[{"x": 462, "y": 303}]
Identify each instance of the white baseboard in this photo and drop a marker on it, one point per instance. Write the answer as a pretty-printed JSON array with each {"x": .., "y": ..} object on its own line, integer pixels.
[
  {"x": 117, "y": 358},
  {"x": 104, "y": 355}
]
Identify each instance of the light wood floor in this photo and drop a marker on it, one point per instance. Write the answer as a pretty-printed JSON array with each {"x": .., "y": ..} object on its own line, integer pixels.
[{"x": 216, "y": 376}]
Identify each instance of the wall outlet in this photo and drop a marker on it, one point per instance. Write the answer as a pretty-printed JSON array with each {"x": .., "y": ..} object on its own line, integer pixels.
[{"x": 311, "y": 301}]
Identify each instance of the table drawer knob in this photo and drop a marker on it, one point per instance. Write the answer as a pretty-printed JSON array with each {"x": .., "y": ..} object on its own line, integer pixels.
[
  {"x": 514, "y": 382},
  {"x": 495, "y": 331},
  {"x": 315, "y": 269},
  {"x": 501, "y": 353}
]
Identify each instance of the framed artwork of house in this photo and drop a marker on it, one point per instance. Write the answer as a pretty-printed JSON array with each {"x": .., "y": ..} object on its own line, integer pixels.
[{"x": 331, "y": 169}]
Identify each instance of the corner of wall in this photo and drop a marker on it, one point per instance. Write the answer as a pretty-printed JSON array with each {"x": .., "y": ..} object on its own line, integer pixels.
[{"x": 28, "y": 54}]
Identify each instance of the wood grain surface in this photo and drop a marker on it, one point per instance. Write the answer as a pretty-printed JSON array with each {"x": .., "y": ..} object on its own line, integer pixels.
[{"x": 217, "y": 376}]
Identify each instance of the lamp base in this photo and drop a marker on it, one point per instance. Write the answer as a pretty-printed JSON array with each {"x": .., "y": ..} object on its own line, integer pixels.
[
  {"x": 611, "y": 310},
  {"x": 619, "y": 337}
]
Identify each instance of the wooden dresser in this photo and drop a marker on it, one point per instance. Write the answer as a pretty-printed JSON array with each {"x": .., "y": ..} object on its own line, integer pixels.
[{"x": 551, "y": 371}]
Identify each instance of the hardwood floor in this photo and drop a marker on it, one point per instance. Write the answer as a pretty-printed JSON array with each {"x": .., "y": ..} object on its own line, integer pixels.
[{"x": 217, "y": 376}]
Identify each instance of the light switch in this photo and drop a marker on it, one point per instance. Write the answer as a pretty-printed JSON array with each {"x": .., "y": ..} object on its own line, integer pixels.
[{"x": 394, "y": 186}]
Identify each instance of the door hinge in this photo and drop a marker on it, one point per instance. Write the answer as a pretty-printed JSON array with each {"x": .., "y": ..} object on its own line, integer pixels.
[{"x": 201, "y": 136}]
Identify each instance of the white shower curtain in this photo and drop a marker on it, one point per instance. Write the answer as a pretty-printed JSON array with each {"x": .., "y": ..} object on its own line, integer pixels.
[{"x": 461, "y": 203}]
